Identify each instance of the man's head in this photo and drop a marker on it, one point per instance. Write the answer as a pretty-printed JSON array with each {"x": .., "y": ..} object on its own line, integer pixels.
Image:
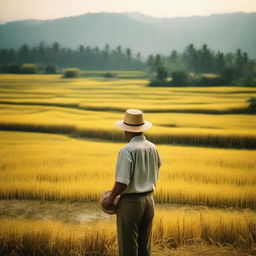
[{"x": 133, "y": 123}]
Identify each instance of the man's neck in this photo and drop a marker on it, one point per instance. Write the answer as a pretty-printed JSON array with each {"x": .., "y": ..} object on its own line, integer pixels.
[
  {"x": 130, "y": 135},
  {"x": 135, "y": 136}
]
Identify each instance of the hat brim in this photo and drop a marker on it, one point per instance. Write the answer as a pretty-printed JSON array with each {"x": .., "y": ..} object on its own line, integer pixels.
[
  {"x": 112, "y": 210},
  {"x": 124, "y": 127}
]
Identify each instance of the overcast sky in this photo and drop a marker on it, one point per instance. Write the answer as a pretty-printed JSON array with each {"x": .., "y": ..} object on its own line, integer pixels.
[{"x": 49, "y": 9}]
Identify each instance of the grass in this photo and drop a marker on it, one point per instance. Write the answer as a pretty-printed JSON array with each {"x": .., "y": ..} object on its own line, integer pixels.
[
  {"x": 171, "y": 229},
  {"x": 53, "y": 167}
]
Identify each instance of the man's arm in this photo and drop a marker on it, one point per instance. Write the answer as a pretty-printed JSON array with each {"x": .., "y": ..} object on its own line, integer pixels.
[
  {"x": 122, "y": 177},
  {"x": 117, "y": 190}
]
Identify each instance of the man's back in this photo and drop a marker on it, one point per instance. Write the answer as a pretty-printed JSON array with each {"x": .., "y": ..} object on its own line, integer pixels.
[{"x": 138, "y": 165}]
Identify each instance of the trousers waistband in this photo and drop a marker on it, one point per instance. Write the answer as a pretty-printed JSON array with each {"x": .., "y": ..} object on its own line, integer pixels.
[{"x": 139, "y": 194}]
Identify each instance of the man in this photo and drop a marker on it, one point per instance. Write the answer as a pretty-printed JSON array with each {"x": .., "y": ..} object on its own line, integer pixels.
[{"x": 137, "y": 170}]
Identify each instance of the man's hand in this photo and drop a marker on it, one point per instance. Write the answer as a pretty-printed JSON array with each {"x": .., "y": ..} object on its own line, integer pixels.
[{"x": 108, "y": 202}]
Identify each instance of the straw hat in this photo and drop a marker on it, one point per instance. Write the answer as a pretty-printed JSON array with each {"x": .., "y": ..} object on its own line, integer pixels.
[
  {"x": 104, "y": 197},
  {"x": 133, "y": 121}
]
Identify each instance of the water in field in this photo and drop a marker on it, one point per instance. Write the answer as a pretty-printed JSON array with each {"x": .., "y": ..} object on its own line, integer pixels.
[{"x": 74, "y": 212}]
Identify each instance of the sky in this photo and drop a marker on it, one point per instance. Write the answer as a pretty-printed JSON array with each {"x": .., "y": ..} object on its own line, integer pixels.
[{"x": 11, "y": 10}]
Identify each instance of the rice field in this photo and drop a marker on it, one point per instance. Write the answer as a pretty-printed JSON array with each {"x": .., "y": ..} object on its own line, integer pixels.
[
  {"x": 105, "y": 94},
  {"x": 55, "y": 167},
  {"x": 87, "y": 107},
  {"x": 58, "y": 143},
  {"x": 171, "y": 229}
]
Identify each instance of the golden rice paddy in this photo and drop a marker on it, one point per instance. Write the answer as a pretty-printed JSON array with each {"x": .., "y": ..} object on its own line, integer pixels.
[
  {"x": 55, "y": 167},
  {"x": 76, "y": 162}
]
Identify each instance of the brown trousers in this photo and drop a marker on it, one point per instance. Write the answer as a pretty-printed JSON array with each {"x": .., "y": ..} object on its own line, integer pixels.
[{"x": 135, "y": 215}]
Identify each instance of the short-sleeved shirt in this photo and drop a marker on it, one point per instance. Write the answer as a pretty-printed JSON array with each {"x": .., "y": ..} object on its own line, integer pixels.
[{"x": 138, "y": 165}]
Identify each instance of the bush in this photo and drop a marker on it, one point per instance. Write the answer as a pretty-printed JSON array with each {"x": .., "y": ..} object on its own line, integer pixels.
[
  {"x": 160, "y": 77},
  {"x": 161, "y": 73},
  {"x": 179, "y": 78},
  {"x": 228, "y": 74},
  {"x": 29, "y": 68},
  {"x": 109, "y": 75},
  {"x": 10, "y": 68},
  {"x": 71, "y": 72},
  {"x": 50, "y": 69},
  {"x": 245, "y": 81},
  {"x": 252, "y": 104},
  {"x": 207, "y": 81}
]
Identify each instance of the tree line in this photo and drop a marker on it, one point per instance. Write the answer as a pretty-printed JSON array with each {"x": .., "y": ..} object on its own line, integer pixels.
[
  {"x": 192, "y": 66},
  {"x": 84, "y": 57}
]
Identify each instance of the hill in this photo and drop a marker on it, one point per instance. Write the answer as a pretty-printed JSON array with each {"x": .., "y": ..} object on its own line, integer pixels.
[{"x": 224, "y": 32}]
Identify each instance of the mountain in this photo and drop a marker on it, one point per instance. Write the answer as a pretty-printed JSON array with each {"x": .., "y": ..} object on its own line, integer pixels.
[{"x": 224, "y": 32}]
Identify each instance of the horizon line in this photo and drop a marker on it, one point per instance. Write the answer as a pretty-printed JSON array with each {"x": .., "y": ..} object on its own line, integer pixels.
[{"x": 135, "y": 12}]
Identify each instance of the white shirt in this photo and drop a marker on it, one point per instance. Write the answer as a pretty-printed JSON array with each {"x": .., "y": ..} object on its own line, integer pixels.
[{"x": 138, "y": 165}]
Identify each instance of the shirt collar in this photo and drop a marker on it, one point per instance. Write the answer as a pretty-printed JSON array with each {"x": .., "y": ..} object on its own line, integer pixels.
[{"x": 140, "y": 137}]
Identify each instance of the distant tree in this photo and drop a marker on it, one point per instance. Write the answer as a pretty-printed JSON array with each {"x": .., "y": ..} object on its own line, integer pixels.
[
  {"x": 81, "y": 49},
  {"x": 55, "y": 47},
  {"x": 191, "y": 58},
  {"x": 179, "y": 78},
  {"x": 175, "y": 61},
  {"x": 82, "y": 57},
  {"x": 219, "y": 63},
  {"x": 150, "y": 64},
  {"x": 197, "y": 61},
  {"x": 119, "y": 49},
  {"x": 229, "y": 60},
  {"x": 205, "y": 59},
  {"x": 106, "y": 51},
  {"x": 227, "y": 75},
  {"x": 8, "y": 56},
  {"x": 161, "y": 73},
  {"x": 41, "y": 47},
  {"x": 10, "y": 68},
  {"x": 158, "y": 61},
  {"x": 128, "y": 53},
  {"x": 23, "y": 53},
  {"x": 50, "y": 69},
  {"x": 239, "y": 62},
  {"x": 173, "y": 57},
  {"x": 88, "y": 50},
  {"x": 96, "y": 50},
  {"x": 247, "y": 80}
]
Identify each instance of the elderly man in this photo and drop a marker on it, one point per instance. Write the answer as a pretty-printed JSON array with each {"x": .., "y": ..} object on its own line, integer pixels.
[{"x": 137, "y": 170}]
